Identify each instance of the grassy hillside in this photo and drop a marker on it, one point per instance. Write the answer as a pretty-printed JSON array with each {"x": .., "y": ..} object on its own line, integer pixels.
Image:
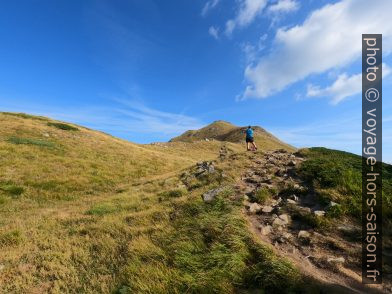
[
  {"x": 44, "y": 160},
  {"x": 225, "y": 131},
  {"x": 84, "y": 212}
]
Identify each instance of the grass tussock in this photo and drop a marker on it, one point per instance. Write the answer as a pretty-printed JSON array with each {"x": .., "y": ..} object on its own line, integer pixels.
[
  {"x": 29, "y": 141},
  {"x": 62, "y": 126}
]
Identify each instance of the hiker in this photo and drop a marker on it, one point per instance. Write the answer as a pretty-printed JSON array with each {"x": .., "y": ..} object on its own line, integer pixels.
[{"x": 250, "y": 140}]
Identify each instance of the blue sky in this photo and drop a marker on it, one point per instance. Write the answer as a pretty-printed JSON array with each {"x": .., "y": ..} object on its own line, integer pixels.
[{"x": 149, "y": 70}]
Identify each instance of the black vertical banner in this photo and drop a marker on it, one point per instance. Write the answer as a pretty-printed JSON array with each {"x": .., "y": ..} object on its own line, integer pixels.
[{"x": 372, "y": 158}]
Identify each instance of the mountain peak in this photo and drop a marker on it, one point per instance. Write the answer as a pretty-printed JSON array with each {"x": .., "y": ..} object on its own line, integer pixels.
[{"x": 221, "y": 130}]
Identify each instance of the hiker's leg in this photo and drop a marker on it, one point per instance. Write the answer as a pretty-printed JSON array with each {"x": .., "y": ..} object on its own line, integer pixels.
[
  {"x": 254, "y": 146},
  {"x": 247, "y": 146}
]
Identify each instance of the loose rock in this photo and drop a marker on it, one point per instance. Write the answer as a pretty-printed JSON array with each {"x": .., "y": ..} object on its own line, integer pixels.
[
  {"x": 211, "y": 194},
  {"x": 319, "y": 212},
  {"x": 267, "y": 209},
  {"x": 254, "y": 208},
  {"x": 265, "y": 230},
  {"x": 303, "y": 234}
]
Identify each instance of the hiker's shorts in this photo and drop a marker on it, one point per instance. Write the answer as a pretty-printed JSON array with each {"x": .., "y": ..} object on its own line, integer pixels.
[{"x": 249, "y": 140}]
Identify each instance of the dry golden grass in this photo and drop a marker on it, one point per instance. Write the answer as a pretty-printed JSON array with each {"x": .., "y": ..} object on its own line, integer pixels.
[{"x": 81, "y": 212}]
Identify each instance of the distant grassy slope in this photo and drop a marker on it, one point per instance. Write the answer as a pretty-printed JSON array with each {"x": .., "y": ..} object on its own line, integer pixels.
[
  {"x": 225, "y": 131},
  {"x": 43, "y": 159},
  {"x": 337, "y": 175}
]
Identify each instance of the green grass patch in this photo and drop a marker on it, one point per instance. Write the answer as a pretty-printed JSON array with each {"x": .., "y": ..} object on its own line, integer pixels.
[
  {"x": 262, "y": 195},
  {"x": 337, "y": 176},
  {"x": 63, "y": 126},
  {"x": 11, "y": 189},
  {"x": 206, "y": 249},
  {"x": 11, "y": 238},
  {"x": 29, "y": 141},
  {"x": 102, "y": 209},
  {"x": 172, "y": 193}
]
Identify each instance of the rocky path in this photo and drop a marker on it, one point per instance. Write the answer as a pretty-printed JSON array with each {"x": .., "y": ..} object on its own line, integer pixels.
[{"x": 285, "y": 213}]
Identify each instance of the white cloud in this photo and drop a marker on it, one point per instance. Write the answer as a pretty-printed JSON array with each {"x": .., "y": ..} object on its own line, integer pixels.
[
  {"x": 213, "y": 31},
  {"x": 252, "y": 52},
  {"x": 284, "y": 6},
  {"x": 248, "y": 11},
  {"x": 208, "y": 6},
  {"x": 329, "y": 38},
  {"x": 343, "y": 87}
]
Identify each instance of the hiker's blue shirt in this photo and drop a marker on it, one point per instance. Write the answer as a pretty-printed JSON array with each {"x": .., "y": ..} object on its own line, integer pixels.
[{"x": 249, "y": 133}]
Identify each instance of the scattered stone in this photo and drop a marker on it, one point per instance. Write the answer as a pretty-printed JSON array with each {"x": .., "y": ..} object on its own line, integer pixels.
[
  {"x": 331, "y": 204},
  {"x": 336, "y": 260},
  {"x": 303, "y": 234},
  {"x": 2, "y": 266},
  {"x": 291, "y": 201},
  {"x": 319, "y": 212},
  {"x": 278, "y": 222},
  {"x": 285, "y": 217},
  {"x": 294, "y": 197},
  {"x": 292, "y": 163},
  {"x": 204, "y": 167},
  {"x": 267, "y": 209},
  {"x": 254, "y": 208},
  {"x": 281, "y": 220},
  {"x": 254, "y": 179},
  {"x": 211, "y": 194},
  {"x": 304, "y": 210},
  {"x": 46, "y": 135},
  {"x": 265, "y": 230}
]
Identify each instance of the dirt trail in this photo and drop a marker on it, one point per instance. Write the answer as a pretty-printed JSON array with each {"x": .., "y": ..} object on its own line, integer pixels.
[{"x": 291, "y": 221}]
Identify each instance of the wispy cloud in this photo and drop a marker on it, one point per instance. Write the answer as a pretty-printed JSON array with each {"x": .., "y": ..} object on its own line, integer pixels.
[
  {"x": 246, "y": 14},
  {"x": 125, "y": 118},
  {"x": 277, "y": 10},
  {"x": 284, "y": 6},
  {"x": 209, "y": 6},
  {"x": 343, "y": 87},
  {"x": 214, "y": 32},
  {"x": 333, "y": 32}
]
